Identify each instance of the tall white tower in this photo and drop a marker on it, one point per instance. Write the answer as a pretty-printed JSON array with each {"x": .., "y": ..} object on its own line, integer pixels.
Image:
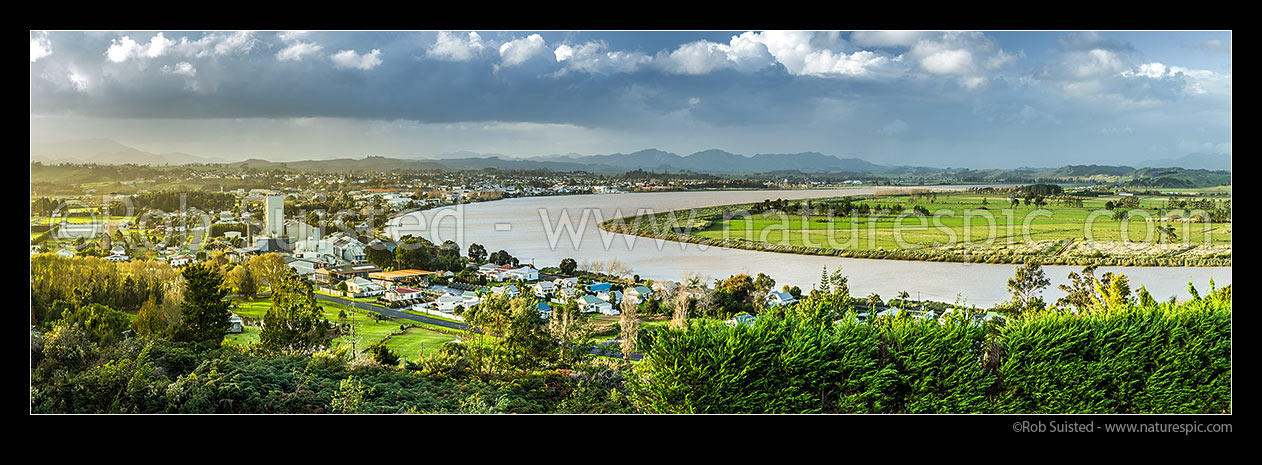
[{"x": 274, "y": 216}]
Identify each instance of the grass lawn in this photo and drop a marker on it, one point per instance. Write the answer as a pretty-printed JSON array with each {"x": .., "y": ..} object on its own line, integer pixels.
[
  {"x": 367, "y": 329},
  {"x": 431, "y": 315},
  {"x": 409, "y": 344},
  {"x": 250, "y": 336},
  {"x": 982, "y": 223}
]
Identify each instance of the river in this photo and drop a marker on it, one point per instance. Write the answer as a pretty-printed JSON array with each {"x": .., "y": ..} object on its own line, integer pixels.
[{"x": 533, "y": 229}]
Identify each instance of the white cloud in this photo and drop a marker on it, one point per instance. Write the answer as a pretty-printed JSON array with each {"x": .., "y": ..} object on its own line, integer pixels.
[
  {"x": 959, "y": 53},
  {"x": 40, "y": 45},
  {"x": 743, "y": 52},
  {"x": 790, "y": 48},
  {"x": 948, "y": 62},
  {"x": 813, "y": 53},
  {"x": 517, "y": 51},
  {"x": 592, "y": 57},
  {"x": 351, "y": 59},
  {"x": 563, "y": 52},
  {"x": 298, "y": 50},
  {"x": 121, "y": 50},
  {"x": 887, "y": 38},
  {"x": 698, "y": 57},
  {"x": 861, "y": 63},
  {"x": 291, "y": 35},
  {"x": 77, "y": 79},
  {"x": 182, "y": 68},
  {"x": 216, "y": 44},
  {"x": 971, "y": 56},
  {"x": 1195, "y": 81},
  {"x": 185, "y": 69},
  {"x": 748, "y": 54},
  {"x": 452, "y": 48}
]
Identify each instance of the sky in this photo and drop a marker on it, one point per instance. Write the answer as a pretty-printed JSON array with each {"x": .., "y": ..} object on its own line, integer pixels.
[{"x": 994, "y": 99}]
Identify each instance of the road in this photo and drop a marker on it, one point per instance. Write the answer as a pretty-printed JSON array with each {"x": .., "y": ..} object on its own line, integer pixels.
[{"x": 400, "y": 315}]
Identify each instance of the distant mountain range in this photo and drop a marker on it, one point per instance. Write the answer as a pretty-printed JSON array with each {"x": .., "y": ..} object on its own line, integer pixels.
[
  {"x": 108, "y": 152},
  {"x": 1203, "y": 161}
]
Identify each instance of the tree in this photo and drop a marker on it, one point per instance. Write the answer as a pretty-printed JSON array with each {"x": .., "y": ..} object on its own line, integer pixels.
[
  {"x": 526, "y": 338},
  {"x": 103, "y": 324},
  {"x": 204, "y": 313},
  {"x": 1080, "y": 292},
  {"x": 571, "y": 333},
  {"x": 378, "y": 255},
  {"x": 382, "y": 354},
  {"x": 268, "y": 268},
  {"x": 1114, "y": 292},
  {"x": 350, "y": 396},
  {"x": 1029, "y": 280},
  {"x": 629, "y": 328},
  {"x": 477, "y": 252},
  {"x": 295, "y": 322},
  {"x": 150, "y": 322},
  {"x": 503, "y": 258},
  {"x": 243, "y": 282},
  {"x": 568, "y": 265}
]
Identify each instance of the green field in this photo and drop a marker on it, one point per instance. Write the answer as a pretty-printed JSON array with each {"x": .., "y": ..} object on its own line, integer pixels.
[
  {"x": 962, "y": 226},
  {"x": 407, "y": 342}
]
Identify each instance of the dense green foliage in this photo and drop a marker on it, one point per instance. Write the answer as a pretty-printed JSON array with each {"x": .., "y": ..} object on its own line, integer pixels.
[
  {"x": 295, "y": 321},
  {"x": 1160, "y": 358},
  {"x": 1139, "y": 359},
  {"x": 158, "y": 376},
  {"x": 204, "y": 313},
  {"x": 89, "y": 280}
]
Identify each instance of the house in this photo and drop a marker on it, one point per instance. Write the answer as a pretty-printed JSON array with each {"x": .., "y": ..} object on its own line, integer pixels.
[
  {"x": 360, "y": 287},
  {"x": 401, "y": 278},
  {"x": 118, "y": 250},
  {"x": 598, "y": 287},
  {"x": 448, "y": 303},
  {"x": 543, "y": 288},
  {"x": 775, "y": 298},
  {"x": 305, "y": 267},
  {"x": 639, "y": 293},
  {"x": 117, "y": 258},
  {"x": 331, "y": 275},
  {"x": 235, "y": 326},
  {"x": 491, "y": 271},
  {"x": 181, "y": 260},
  {"x": 591, "y": 304},
  {"x": 509, "y": 291},
  {"x": 525, "y": 273},
  {"x": 566, "y": 283},
  {"x": 67, "y": 253},
  {"x": 545, "y": 310},
  {"x": 663, "y": 287},
  {"x": 403, "y": 294},
  {"x": 606, "y": 295}
]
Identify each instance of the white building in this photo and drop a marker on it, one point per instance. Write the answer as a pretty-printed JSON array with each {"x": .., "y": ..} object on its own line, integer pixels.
[
  {"x": 274, "y": 216},
  {"x": 525, "y": 273},
  {"x": 543, "y": 288},
  {"x": 509, "y": 291},
  {"x": 591, "y": 304}
]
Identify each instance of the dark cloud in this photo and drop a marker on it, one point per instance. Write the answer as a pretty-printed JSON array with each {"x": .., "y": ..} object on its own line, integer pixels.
[{"x": 768, "y": 110}]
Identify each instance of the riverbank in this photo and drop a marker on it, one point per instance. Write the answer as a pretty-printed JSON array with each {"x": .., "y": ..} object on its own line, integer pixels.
[{"x": 961, "y": 227}]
